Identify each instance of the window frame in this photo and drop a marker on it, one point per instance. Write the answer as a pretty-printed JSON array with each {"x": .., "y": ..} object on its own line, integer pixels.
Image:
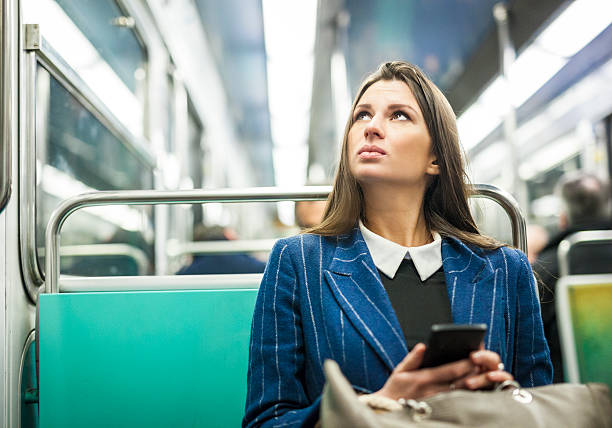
[{"x": 38, "y": 53}]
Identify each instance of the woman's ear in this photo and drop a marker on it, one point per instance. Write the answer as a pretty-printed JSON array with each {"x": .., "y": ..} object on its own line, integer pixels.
[{"x": 433, "y": 168}]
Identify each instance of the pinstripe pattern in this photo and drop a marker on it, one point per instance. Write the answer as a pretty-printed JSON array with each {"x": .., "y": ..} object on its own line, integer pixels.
[
  {"x": 276, "y": 337},
  {"x": 507, "y": 297},
  {"x": 295, "y": 337},
  {"x": 280, "y": 257},
  {"x": 386, "y": 356},
  {"x": 286, "y": 424},
  {"x": 533, "y": 330},
  {"x": 472, "y": 304},
  {"x": 373, "y": 274},
  {"x": 492, "y": 319},
  {"x": 395, "y": 332},
  {"x": 331, "y": 350},
  {"x": 295, "y": 325},
  {"x": 365, "y": 364},
  {"x": 352, "y": 246},
  {"x": 314, "y": 326},
  {"x": 343, "y": 346},
  {"x": 465, "y": 268},
  {"x": 350, "y": 260}
]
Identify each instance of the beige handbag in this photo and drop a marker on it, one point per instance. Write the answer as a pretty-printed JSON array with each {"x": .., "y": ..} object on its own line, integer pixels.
[{"x": 560, "y": 405}]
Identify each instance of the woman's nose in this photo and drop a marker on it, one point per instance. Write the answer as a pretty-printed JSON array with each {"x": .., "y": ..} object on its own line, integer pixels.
[{"x": 374, "y": 129}]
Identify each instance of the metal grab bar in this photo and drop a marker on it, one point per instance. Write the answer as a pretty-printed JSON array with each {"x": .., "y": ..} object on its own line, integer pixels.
[
  {"x": 257, "y": 194},
  {"x": 8, "y": 93},
  {"x": 116, "y": 249},
  {"x": 511, "y": 207},
  {"x": 155, "y": 197},
  {"x": 175, "y": 249},
  {"x": 579, "y": 238}
]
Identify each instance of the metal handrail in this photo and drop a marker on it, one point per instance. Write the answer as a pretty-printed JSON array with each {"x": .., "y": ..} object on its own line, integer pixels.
[
  {"x": 511, "y": 207},
  {"x": 8, "y": 88},
  {"x": 155, "y": 197},
  {"x": 579, "y": 238},
  {"x": 257, "y": 194},
  {"x": 111, "y": 249},
  {"x": 219, "y": 247}
]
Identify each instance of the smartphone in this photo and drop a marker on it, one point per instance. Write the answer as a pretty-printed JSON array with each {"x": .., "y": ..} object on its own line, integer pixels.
[{"x": 452, "y": 342}]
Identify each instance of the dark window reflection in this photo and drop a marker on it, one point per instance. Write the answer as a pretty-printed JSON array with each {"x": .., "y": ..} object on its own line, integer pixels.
[{"x": 77, "y": 153}]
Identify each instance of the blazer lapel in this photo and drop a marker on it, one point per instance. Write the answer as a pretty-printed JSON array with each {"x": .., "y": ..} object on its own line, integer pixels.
[
  {"x": 470, "y": 281},
  {"x": 356, "y": 285}
]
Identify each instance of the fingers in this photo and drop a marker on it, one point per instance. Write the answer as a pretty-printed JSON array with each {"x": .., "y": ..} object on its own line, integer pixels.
[
  {"x": 413, "y": 360},
  {"x": 499, "y": 376},
  {"x": 447, "y": 373},
  {"x": 488, "y": 360},
  {"x": 483, "y": 380}
]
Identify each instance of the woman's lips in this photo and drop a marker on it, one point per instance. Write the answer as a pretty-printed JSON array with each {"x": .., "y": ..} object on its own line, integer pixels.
[
  {"x": 371, "y": 152},
  {"x": 371, "y": 155}
]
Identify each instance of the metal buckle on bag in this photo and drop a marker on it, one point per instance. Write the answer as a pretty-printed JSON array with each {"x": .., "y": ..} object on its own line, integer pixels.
[
  {"x": 420, "y": 409},
  {"x": 518, "y": 394}
]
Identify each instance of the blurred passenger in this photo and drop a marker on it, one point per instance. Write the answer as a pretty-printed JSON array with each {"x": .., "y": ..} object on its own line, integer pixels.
[
  {"x": 220, "y": 263},
  {"x": 309, "y": 213},
  {"x": 585, "y": 199},
  {"x": 397, "y": 251},
  {"x": 537, "y": 238}
]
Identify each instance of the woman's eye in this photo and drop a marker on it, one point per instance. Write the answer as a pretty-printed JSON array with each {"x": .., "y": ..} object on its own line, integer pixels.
[
  {"x": 362, "y": 115},
  {"x": 399, "y": 115}
]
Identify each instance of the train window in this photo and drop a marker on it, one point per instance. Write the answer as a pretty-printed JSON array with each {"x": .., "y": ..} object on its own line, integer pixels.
[
  {"x": 195, "y": 132},
  {"x": 75, "y": 153},
  {"x": 99, "y": 41},
  {"x": 109, "y": 29}
]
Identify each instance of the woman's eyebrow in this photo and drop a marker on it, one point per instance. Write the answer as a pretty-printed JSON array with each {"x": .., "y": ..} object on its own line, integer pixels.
[
  {"x": 406, "y": 106},
  {"x": 389, "y": 107}
]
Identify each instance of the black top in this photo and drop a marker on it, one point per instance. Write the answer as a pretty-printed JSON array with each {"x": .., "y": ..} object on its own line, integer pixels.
[{"x": 417, "y": 304}]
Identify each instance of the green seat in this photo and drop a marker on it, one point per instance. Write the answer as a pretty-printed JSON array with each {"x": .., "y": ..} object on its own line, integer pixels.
[
  {"x": 144, "y": 359},
  {"x": 584, "y": 313}
]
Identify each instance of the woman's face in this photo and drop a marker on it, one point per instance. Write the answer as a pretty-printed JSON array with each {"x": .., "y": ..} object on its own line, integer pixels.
[{"x": 389, "y": 141}]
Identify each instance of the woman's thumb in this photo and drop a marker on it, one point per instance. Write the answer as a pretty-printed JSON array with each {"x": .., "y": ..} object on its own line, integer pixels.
[{"x": 413, "y": 360}]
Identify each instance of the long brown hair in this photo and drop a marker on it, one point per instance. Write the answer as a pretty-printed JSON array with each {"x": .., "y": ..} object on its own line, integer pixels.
[{"x": 445, "y": 205}]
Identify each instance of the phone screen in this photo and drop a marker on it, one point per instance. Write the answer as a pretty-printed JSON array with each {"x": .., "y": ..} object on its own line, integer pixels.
[{"x": 452, "y": 342}]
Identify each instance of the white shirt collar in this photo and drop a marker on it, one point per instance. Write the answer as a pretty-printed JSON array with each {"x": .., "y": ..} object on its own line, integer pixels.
[{"x": 388, "y": 255}]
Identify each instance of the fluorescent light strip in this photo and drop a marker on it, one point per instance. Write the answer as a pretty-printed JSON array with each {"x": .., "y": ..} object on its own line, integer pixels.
[
  {"x": 289, "y": 29},
  {"x": 573, "y": 29}
]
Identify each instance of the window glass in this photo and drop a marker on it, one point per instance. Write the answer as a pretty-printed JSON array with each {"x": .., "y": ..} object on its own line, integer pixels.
[
  {"x": 76, "y": 153},
  {"x": 99, "y": 43},
  {"x": 196, "y": 156},
  {"x": 109, "y": 30}
]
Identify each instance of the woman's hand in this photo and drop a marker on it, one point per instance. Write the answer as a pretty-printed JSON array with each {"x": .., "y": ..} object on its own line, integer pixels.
[
  {"x": 491, "y": 371},
  {"x": 408, "y": 381}
]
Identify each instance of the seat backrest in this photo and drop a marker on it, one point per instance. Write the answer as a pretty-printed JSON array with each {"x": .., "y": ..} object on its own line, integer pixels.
[
  {"x": 149, "y": 358},
  {"x": 586, "y": 252},
  {"x": 584, "y": 316}
]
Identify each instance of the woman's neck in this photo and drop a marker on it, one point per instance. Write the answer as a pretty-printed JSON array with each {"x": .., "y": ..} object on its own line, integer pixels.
[{"x": 396, "y": 215}]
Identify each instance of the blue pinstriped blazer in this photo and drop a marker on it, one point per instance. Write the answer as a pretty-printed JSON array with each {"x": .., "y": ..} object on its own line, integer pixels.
[{"x": 322, "y": 297}]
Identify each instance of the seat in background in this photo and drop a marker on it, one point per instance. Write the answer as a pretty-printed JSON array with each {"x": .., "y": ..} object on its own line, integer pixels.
[{"x": 584, "y": 315}]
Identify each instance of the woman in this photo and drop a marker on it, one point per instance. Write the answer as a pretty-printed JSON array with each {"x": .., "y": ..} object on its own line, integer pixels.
[{"x": 397, "y": 251}]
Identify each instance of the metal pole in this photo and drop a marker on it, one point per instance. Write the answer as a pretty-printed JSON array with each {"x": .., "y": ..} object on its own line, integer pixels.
[
  {"x": 8, "y": 91},
  {"x": 507, "y": 55}
]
